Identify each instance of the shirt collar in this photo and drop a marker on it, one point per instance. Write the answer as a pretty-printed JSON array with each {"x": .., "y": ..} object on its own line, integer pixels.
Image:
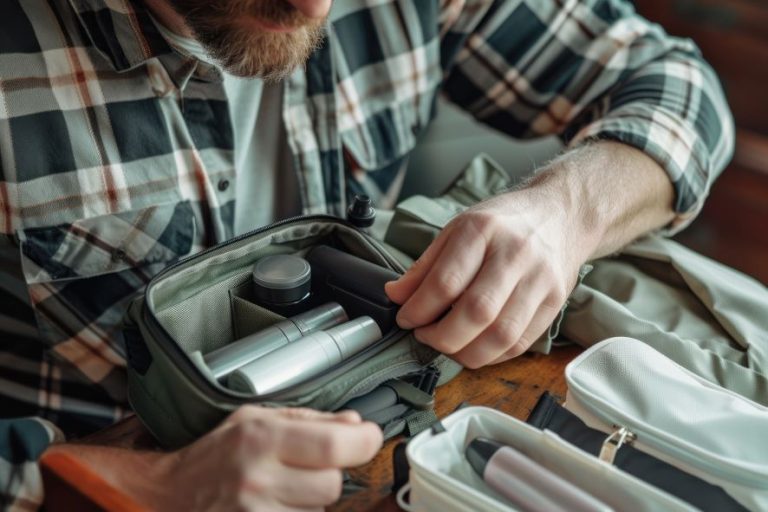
[{"x": 125, "y": 34}]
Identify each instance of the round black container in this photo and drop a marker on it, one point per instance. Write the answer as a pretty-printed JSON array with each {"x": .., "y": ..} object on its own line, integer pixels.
[{"x": 281, "y": 281}]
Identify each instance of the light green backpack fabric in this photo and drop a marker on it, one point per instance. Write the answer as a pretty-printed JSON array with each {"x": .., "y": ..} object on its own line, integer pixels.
[{"x": 705, "y": 316}]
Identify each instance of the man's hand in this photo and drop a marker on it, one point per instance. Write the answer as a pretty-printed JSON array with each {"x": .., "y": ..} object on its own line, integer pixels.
[
  {"x": 257, "y": 459},
  {"x": 496, "y": 277},
  {"x": 501, "y": 270}
]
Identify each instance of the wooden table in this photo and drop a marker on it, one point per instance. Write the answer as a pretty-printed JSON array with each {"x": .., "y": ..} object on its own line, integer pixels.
[{"x": 512, "y": 387}]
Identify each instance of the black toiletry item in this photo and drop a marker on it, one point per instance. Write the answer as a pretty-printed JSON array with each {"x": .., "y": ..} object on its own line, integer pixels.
[{"x": 355, "y": 283}]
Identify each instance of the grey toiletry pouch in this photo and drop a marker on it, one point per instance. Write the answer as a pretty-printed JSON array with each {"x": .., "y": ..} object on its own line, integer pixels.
[{"x": 206, "y": 301}]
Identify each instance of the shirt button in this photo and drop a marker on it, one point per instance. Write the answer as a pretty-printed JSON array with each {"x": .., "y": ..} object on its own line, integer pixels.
[
  {"x": 118, "y": 255},
  {"x": 223, "y": 185}
]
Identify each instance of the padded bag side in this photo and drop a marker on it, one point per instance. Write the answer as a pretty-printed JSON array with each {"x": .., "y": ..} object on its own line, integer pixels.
[{"x": 675, "y": 415}]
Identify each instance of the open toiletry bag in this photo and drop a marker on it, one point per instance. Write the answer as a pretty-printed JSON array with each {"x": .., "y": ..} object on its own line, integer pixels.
[
  {"x": 630, "y": 391},
  {"x": 206, "y": 301},
  {"x": 442, "y": 480},
  {"x": 633, "y": 396}
]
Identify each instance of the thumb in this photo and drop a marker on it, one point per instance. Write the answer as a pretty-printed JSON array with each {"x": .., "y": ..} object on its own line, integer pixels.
[{"x": 401, "y": 290}]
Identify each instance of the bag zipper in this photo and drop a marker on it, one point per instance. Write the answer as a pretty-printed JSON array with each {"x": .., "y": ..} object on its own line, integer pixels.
[
  {"x": 300, "y": 218},
  {"x": 583, "y": 407},
  {"x": 178, "y": 356},
  {"x": 611, "y": 445}
]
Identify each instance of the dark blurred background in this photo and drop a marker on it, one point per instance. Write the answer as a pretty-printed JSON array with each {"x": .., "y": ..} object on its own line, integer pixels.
[{"x": 733, "y": 35}]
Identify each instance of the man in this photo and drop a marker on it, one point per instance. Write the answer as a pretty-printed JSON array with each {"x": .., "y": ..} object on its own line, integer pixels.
[{"x": 132, "y": 133}]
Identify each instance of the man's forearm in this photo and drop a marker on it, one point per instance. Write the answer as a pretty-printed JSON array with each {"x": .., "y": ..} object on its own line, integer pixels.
[{"x": 611, "y": 194}]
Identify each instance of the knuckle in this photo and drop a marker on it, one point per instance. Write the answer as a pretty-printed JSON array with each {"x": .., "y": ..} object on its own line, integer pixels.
[
  {"x": 557, "y": 298},
  {"x": 297, "y": 413},
  {"x": 505, "y": 331},
  {"x": 330, "y": 448},
  {"x": 509, "y": 253},
  {"x": 448, "y": 284},
  {"x": 518, "y": 349},
  {"x": 481, "y": 219},
  {"x": 254, "y": 435},
  {"x": 524, "y": 246},
  {"x": 257, "y": 482},
  {"x": 245, "y": 413},
  {"x": 482, "y": 224},
  {"x": 482, "y": 308},
  {"x": 247, "y": 487}
]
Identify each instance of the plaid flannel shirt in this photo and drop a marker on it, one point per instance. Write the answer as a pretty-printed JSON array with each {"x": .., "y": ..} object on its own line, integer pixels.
[{"x": 116, "y": 154}]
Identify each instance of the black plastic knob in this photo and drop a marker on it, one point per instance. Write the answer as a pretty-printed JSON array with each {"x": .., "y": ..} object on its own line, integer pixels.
[{"x": 361, "y": 212}]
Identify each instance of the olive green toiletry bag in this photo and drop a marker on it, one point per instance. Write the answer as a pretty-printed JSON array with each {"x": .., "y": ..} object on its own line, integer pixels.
[{"x": 206, "y": 301}]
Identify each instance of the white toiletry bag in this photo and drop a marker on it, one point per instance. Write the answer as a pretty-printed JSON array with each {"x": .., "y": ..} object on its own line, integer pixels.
[
  {"x": 442, "y": 480},
  {"x": 635, "y": 395},
  {"x": 627, "y": 389}
]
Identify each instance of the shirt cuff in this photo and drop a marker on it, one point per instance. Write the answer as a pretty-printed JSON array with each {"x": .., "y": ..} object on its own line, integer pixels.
[{"x": 676, "y": 147}]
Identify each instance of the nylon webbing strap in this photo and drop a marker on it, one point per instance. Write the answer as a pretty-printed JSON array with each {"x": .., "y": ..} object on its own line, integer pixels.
[
  {"x": 400, "y": 467},
  {"x": 420, "y": 421}
]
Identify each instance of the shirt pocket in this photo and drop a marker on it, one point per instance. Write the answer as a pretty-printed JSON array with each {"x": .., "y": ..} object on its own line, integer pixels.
[{"x": 82, "y": 275}]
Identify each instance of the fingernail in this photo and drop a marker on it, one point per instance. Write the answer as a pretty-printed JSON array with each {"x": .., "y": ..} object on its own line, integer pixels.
[{"x": 404, "y": 323}]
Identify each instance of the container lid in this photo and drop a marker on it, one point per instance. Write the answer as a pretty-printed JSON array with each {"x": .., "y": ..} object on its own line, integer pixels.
[{"x": 282, "y": 278}]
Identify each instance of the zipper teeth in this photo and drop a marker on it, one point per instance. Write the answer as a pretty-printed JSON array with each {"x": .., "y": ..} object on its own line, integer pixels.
[
  {"x": 704, "y": 460},
  {"x": 373, "y": 380},
  {"x": 239, "y": 238},
  {"x": 371, "y": 242},
  {"x": 159, "y": 331}
]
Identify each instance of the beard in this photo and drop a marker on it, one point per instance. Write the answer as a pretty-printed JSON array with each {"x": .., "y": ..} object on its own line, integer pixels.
[{"x": 221, "y": 27}]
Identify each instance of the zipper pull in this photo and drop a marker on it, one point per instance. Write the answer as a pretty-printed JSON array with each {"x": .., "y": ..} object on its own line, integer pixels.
[
  {"x": 613, "y": 442},
  {"x": 411, "y": 395}
]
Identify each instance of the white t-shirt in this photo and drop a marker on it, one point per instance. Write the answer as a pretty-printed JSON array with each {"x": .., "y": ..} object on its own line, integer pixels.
[{"x": 266, "y": 188}]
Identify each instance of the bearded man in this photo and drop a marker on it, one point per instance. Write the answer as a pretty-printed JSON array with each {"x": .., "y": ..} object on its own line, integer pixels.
[{"x": 136, "y": 132}]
